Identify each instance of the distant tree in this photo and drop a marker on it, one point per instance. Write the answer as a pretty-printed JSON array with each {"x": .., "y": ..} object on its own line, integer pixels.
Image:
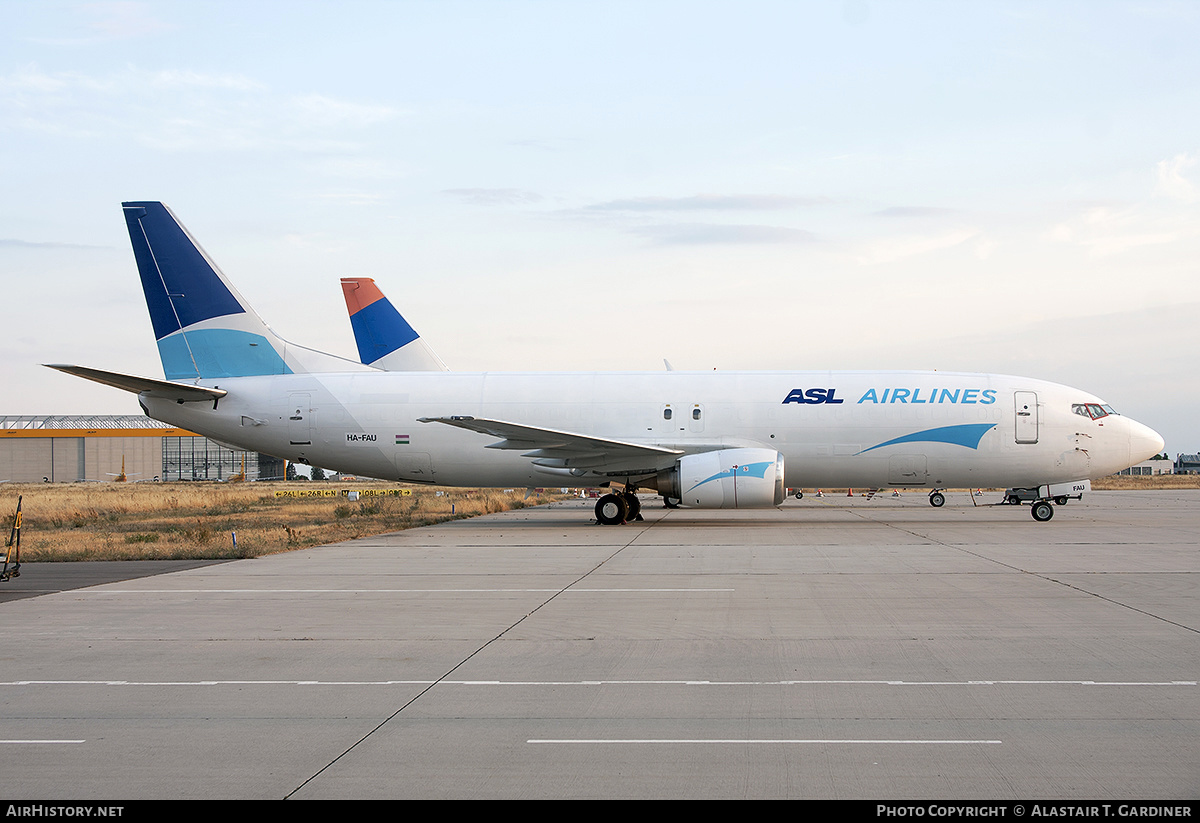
[
  {"x": 290, "y": 472},
  {"x": 318, "y": 473}
]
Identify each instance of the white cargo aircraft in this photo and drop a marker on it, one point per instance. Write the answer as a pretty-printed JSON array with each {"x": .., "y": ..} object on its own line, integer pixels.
[{"x": 702, "y": 439}]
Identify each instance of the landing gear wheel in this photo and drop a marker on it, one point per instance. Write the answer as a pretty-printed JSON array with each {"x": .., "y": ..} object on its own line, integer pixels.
[
  {"x": 611, "y": 509},
  {"x": 799, "y": 494},
  {"x": 671, "y": 502},
  {"x": 937, "y": 500},
  {"x": 633, "y": 507},
  {"x": 1042, "y": 511}
]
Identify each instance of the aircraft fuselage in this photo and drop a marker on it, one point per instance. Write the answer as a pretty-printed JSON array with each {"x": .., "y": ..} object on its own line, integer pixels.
[{"x": 864, "y": 429}]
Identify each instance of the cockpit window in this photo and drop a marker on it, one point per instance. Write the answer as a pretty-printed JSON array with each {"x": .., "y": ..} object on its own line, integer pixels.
[{"x": 1093, "y": 410}]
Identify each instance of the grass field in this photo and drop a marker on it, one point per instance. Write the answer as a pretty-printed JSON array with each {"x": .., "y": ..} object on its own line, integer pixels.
[{"x": 171, "y": 521}]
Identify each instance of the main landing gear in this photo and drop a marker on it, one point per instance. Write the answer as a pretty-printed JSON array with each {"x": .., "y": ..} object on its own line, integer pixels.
[
  {"x": 614, "y": 509},
  {"x": 937, "y": 499}
]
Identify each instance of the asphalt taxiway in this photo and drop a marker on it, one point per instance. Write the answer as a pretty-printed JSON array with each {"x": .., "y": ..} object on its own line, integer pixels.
[{"x": 832, "y": 648}]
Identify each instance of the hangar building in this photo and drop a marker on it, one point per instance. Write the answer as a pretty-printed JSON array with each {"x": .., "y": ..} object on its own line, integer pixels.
[{"x": 71, "y": 448}]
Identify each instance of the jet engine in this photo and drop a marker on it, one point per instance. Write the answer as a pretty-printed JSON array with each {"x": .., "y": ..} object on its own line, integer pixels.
[{"x": 726, "y": 479}]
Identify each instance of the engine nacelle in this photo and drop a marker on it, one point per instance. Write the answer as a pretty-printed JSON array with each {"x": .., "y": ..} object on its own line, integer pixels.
[{"x": 726, "y": 479}]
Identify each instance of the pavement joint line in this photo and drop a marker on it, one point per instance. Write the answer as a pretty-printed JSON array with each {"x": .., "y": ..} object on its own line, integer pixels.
[
  {"x": 1039, "y": 575},
  {"x": 648, "y": 525}
]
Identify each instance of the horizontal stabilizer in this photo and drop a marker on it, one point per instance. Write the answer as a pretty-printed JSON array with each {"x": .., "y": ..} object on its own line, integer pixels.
[{"x": 163, "y": 389}]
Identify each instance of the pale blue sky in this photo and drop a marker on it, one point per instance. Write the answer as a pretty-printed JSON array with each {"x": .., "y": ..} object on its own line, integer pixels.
[{"x": 1007, "y": 187}]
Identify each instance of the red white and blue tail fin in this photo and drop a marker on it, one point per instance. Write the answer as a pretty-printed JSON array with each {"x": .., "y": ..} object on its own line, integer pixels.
[{"x": 385, "y": 339}]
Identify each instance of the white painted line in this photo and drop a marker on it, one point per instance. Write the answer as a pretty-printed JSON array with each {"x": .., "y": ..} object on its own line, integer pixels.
[
  {"x": 22, "y": 742},
  {"x": 754, "y": 741},
  {"x": 556, "y": 683},
  {"x": 192, "y": 683},
  {"x": 571, "y": 590}
]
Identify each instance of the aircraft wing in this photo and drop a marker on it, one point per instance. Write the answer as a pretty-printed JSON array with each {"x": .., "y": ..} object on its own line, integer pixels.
[
  {"x": 165, "y": 389},
  {"x": 566, "y": 450}
]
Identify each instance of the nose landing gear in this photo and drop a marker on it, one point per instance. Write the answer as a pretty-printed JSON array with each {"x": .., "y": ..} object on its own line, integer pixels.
[{"x": 1042, "y": 510}]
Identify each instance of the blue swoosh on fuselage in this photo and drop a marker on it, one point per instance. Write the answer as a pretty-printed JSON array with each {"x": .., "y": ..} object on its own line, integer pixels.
[{"x": 967, "y": 435}]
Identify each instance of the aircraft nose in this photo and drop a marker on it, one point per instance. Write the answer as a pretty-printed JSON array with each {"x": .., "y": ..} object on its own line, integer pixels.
[{"x": 1144, "y": 442}]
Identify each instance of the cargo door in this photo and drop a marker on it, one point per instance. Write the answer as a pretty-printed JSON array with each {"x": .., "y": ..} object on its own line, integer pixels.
[
  {"x": 907, "y": 470},
  {"x": 415, "y": 467},
  {"x": 1026, "y": 416},
  {"x": 300, "y": 418}
]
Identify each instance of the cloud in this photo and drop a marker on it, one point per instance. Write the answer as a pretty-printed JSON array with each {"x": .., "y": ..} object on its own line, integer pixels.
[
  {"x": 317, "y": 108},
  {"x": 892, "y": 249},
  {"x": 184, "y": 111},
  {"x": 27, "y": 244},
  {"x": 107, "y": 21},
  {"x": 710, "y": 202},
  {"x": 495, "y": 197},
  {"x": 1172, "y": 183},
  {"x": 353, "y": 198},
  {"x": 913, "y": 211},
  {"x": 122, "y": 20},
  {"x": 175, "y": 79},
  {"x": 708, "y": 233},
  {"x": 1104, "y": 231}
]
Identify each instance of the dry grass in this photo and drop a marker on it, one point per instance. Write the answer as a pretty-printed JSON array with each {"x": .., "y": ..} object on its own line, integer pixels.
[
  {"x": 167, "y": 521},
  {"x": 1155, "y": 481}
]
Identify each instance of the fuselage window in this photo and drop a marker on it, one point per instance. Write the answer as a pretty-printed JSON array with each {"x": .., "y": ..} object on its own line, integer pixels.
[
  {"x": 666, "y": 414},
  {"x": 695, "y": 414}
]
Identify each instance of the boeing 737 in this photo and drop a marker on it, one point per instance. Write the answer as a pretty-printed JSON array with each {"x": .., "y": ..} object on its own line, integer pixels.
[{"x": 699, "y": 439}]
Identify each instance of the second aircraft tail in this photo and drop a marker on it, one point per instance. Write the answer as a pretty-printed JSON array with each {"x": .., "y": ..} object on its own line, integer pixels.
[{"x": 385, "y": 339}]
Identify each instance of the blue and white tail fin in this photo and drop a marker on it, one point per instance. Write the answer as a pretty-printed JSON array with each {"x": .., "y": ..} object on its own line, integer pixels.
[
  {"x": 385, "y": 339},
  {"x": 204, "y": 328}
]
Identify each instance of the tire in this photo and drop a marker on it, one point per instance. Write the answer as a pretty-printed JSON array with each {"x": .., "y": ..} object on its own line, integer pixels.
[
  {"x": 611, "y": 510},
  {"x": 633, "y": 507},
  {"x": 1014, "y": 500},
  {"x": 1042, "y": 511},
  {"x": 671, "y": 502},
  {"x": 937, "y": 500},
  {"x": 1060, "y": 501}
]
